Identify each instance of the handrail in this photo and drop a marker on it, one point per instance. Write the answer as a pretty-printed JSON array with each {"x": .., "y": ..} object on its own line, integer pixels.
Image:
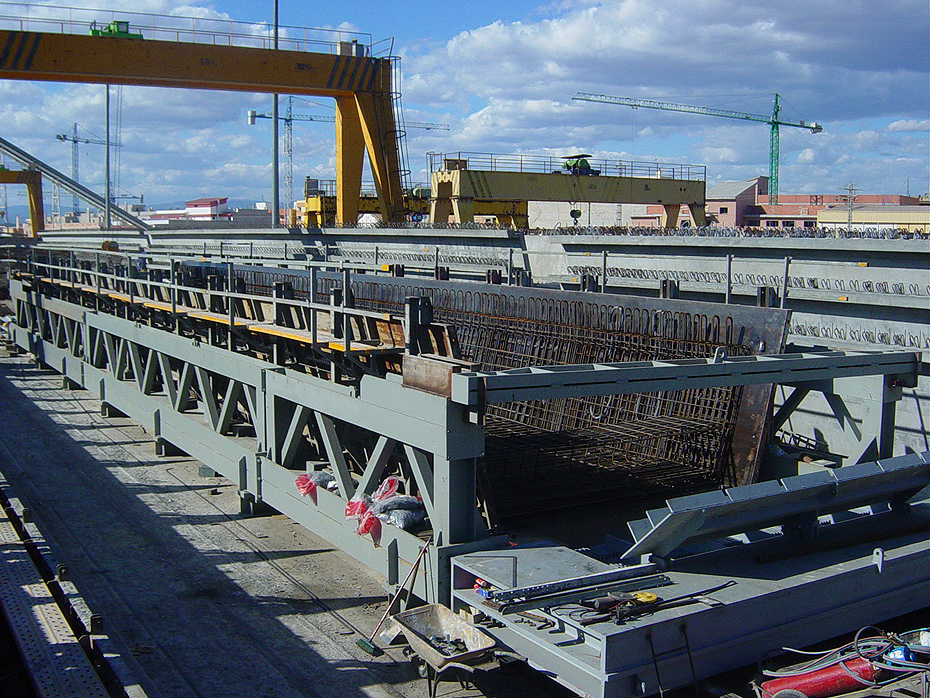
[
  {"x": 544, "y": 164},
  {"x": 160, "y": 27}
]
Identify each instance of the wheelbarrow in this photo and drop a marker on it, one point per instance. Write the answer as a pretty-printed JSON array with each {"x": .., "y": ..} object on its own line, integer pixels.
[{"x": 443, "y": 641}]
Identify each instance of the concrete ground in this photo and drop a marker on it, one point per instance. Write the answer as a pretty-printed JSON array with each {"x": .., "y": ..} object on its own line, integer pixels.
[{"x": 202, "y": 602}]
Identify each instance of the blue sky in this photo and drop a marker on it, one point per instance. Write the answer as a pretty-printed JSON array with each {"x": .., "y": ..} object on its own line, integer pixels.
[{"x": 502, "y": 74}]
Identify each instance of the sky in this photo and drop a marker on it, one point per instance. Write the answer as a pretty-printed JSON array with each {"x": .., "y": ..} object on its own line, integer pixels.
[{"x": 502, "y": 76}]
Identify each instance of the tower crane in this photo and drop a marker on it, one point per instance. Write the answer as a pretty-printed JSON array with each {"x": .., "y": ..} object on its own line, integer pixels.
[
  {"x": 290, "y": 117},
  {"x": 773, "y": 121},
  {"x": 75, "y": 139}
]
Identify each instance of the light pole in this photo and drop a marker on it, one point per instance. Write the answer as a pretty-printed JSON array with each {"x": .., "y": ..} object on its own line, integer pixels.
[
  {"x": 275, "y": 164},
  {"x": 106, "y": 167}
]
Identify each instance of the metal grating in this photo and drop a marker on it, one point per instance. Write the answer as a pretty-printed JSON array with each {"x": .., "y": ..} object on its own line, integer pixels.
[
  {"x": 57, "y": 664},
  {"x": 548, "y": 454}
]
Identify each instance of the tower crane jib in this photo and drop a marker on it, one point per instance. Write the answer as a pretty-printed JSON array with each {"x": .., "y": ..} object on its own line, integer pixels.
[{"x": 774, "y": 122}]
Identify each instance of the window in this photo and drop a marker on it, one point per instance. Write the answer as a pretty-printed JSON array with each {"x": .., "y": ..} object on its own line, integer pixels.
[
  {"x": 771, "y": 224},
  {"x": 787, "y": 224},
  {"x": 810, "y": 224},
  {"x": 724, "y": 209}
]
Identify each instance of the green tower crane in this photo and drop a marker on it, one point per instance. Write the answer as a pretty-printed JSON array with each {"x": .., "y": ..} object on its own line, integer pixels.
[{"x": 772, "y": 120}]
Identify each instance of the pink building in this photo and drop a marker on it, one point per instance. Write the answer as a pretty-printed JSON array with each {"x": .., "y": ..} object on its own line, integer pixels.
[
  {"x": 207, "y": 209},
  {"x": 733, "y": 204}
]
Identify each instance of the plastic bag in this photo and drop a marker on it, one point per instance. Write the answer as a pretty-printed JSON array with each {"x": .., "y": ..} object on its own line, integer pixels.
[
  {"x": 401, "y": 510},
  {"x": 387, "y": 489},
  {"x": 399, "y": 501},
  {"x": 369, "y": 523},
  {"x": 307, "y": 484},
  {"x": 404, "y": 519},
  {"x": 358, "y": 506}
]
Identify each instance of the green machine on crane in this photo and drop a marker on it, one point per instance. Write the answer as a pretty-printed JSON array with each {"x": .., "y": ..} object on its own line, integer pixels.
[
  {"x": 118, "y": 28},
  {"x": 772, "y": 120}
]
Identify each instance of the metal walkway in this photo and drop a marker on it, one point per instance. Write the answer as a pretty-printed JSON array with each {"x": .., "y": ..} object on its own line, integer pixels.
[{"x": 53, "y": 655}]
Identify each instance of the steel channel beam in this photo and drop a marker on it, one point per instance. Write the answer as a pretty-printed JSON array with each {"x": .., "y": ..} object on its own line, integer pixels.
[{"x": 477, "y": 389}]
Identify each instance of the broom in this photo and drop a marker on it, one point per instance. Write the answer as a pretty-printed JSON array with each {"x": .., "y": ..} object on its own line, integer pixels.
[{"x": 368, "y": 645}]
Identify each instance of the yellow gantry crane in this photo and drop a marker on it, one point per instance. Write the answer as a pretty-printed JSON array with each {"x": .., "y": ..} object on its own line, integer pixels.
[
  {"x": 359, "y": 83},
  {"x": 773, "y": 121},
  {"x": 288, "y": 140}
]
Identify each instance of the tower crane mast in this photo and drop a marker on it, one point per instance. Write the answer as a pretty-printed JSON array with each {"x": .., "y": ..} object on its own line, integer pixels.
[
  {"x": 75, "y": 139},
  {"x": 773, "y": 121}
]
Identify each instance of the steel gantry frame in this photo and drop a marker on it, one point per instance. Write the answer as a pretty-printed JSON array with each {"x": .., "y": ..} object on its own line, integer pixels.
[
  {"x": 360, "y": 84},
  {"x": 178, "y": 360}
]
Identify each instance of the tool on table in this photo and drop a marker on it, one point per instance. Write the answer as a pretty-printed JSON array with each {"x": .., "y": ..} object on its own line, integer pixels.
[
  {"x": 628, "y": 607},
  {"x": 368, "y": 645}
]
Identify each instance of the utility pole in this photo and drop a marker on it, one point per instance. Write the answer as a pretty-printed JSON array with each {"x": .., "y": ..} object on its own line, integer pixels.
[
  {"x": 275, "y": 192},
  {"x": 3, "y": 199}
]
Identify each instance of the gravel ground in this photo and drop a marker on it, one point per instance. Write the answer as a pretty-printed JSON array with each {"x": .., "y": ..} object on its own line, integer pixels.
[{"x": 202, "y": 602}]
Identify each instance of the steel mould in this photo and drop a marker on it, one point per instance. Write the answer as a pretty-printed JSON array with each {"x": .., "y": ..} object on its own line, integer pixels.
[{"x": 248, "y": 418}]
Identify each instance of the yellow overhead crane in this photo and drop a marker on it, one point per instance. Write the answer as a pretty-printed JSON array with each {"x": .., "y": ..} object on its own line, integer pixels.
[
  {"x": 361, "y": 86},
  {"x": 33, "y": 181}
]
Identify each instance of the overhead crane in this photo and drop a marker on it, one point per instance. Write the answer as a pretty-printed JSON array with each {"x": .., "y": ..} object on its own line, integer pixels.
[
  {"x": 290, "y": 117},
  {"x": 774, "y": 121},
  {"x": 359, "y": 83}
]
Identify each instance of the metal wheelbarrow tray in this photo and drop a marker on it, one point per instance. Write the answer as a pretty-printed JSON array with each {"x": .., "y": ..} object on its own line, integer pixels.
[{"x": 419, "y": 624}]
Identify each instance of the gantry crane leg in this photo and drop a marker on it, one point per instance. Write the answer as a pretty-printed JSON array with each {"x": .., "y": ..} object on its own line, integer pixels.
[
  {"x": 379, "y": 130},
  {"x": 350, "y": 156}
]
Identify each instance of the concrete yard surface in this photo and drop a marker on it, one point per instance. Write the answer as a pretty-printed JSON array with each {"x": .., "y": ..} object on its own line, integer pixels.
[{"x": 202, "y": 602}]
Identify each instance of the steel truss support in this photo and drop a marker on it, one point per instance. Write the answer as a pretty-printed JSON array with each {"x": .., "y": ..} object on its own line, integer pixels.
[{"x": 248, "y": 420}]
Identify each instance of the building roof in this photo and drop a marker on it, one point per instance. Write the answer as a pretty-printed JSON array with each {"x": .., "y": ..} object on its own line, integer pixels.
[
  {"x": 215, "y": 201},
  {"x": 729, "y": 190}
]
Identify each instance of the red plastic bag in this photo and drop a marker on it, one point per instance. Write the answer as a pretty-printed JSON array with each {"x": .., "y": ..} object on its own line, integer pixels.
[
  {"x": 369, "y": 523},
  {"x": 387, "y": 489},
  {"x": 358, "y": 506},
  {"x": 305, "y": 485}
]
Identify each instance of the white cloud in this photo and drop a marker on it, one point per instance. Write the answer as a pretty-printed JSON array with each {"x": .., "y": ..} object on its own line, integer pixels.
[
  {"x": 832, "y": 63},
  {"x": 905, "y": 125}
]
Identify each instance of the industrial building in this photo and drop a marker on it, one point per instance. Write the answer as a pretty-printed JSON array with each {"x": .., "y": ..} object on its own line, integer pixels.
[{"x": 746, "y": 204}]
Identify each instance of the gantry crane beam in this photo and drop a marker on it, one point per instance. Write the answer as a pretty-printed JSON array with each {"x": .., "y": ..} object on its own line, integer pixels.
[
  {"x": 361, "y": 86},
  {"x": 773, "y": 121}
]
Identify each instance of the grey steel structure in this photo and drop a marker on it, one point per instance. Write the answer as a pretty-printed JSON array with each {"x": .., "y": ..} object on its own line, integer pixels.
[{"x": 265, "y": 374}]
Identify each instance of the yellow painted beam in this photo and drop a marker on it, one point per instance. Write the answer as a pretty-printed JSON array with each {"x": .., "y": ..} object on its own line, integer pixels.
[
  {"x": 118, "y": 61},
  {"x": 33, "y": 181},
  {"x": 669, "y": 218},
  {"x": 379, "y": 127},
  {"x": 350, "y": 156},
  {"x": 698, "y": 214}
]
